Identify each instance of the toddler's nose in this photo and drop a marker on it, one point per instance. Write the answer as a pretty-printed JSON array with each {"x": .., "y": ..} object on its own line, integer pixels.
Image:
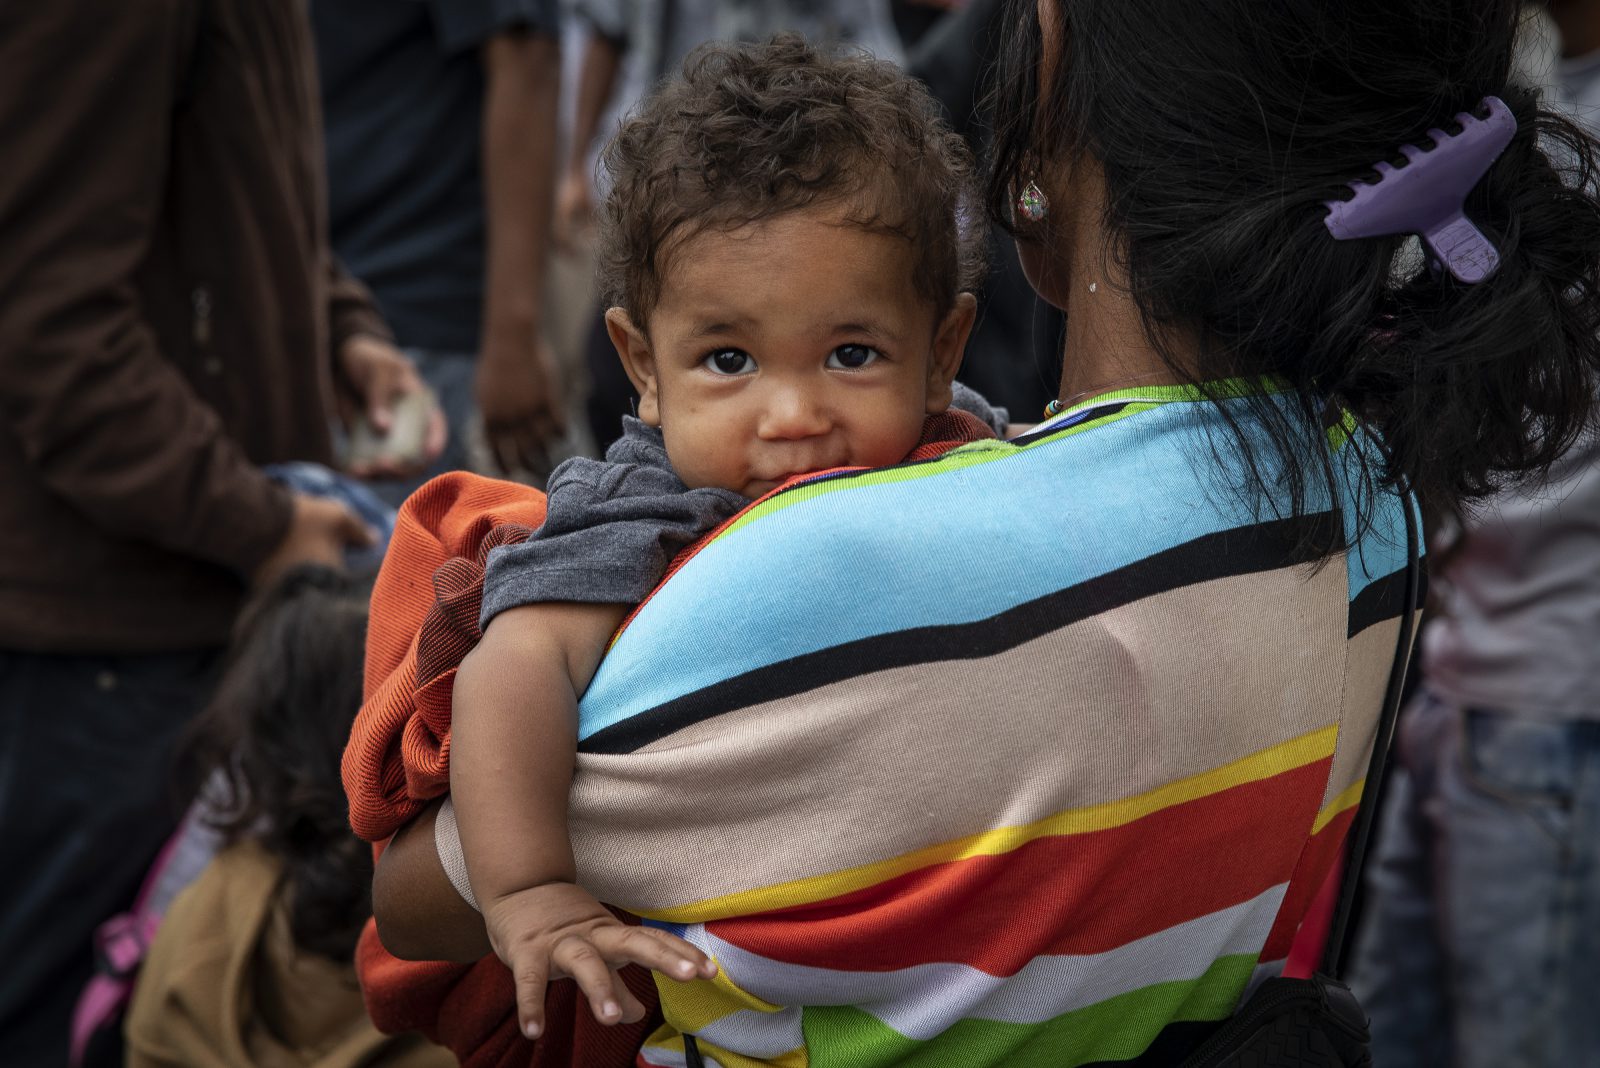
[{"x": 790, "y": 414}]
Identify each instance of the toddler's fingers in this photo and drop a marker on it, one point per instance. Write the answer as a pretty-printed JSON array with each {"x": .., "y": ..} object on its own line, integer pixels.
[
  {"x": 581, "y": 960},
  {"x": 531, "y": 973},
  {"x": 657, "y": 950},
  {"x": 632, "y": 1010}
]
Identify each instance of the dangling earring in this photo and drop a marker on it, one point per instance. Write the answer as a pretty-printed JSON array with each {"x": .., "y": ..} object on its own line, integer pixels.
[{"x": 1032, "y": 204}]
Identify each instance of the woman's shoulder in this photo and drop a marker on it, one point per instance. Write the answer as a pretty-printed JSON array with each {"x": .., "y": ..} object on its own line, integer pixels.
[
  {"x": 1134, "y": 479},
  {"x": 986, "y": 546}
]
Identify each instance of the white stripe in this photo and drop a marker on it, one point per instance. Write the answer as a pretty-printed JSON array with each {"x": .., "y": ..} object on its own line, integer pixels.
[
  {"x": 447, "y": 843},
  {"x": 924, "y": 1000},
  {"x": 763, "y": 1035}
]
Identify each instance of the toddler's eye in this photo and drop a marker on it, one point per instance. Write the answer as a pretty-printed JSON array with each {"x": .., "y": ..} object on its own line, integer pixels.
[
  {"x": 852, "y": 357},
  {"x": 730, "y": 362}
]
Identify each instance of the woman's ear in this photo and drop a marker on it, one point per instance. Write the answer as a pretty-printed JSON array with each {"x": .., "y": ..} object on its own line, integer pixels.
[
  {"x": 949, "y": 345},
  {"x": 633, "y": 349}
]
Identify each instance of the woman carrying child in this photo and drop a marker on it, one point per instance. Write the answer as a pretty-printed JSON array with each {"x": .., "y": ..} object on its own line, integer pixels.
[{"x": 1036, "y": 752}]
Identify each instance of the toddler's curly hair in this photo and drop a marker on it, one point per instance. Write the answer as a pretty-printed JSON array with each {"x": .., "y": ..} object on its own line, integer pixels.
[{"x": 754, "y": 131}]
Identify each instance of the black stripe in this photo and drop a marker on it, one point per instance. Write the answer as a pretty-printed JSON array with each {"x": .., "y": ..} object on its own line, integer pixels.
[
  {"x": 1172, "y": 1044},
  {"x": 1092, "y": 416},
  {"x": 1086, "y": 419},
  {"x": 1383, "y": 600},
  {"x": 1244, "y": 550}
]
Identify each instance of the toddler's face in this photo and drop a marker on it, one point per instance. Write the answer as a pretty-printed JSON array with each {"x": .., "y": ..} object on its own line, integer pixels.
[{"x": 790, "y": 345}]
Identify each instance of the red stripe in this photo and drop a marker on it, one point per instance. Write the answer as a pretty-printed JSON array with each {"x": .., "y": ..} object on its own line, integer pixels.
[
  {"x": 1321, "y": 851},
  {"x": 1087, "y": 893}
]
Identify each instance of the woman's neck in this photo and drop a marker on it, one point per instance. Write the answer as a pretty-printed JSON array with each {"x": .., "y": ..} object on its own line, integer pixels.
[{"x": 1106, "y": 346}]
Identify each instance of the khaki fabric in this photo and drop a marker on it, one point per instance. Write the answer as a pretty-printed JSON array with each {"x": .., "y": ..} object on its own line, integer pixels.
[{"x": 224, "y": 986}]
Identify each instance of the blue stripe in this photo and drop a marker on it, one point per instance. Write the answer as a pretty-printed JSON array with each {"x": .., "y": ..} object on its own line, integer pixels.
[
  {"x": 864, "y": 560},
  {"x": 1381, "y": 550}
]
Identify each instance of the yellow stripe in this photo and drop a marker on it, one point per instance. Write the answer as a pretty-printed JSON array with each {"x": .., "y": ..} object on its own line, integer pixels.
[
  {"x": 1348, "y": 798},
  {"x": 1297, "y": 752},
  {"x": 700, "y": 1002}
]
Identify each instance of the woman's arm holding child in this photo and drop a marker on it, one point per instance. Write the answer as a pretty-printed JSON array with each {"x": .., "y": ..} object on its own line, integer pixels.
[
  {"x": 513, "y": 746},
  {"x": 420, "y": 915}
]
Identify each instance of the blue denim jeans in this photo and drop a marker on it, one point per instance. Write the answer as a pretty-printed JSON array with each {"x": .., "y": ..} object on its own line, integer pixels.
[{"x": 1481, "y": 940}]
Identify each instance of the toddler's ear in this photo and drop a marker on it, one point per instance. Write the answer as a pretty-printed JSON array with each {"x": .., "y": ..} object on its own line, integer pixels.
[
  {"x": 949, "y": 345},
  {"x": 633, "y": 349}
]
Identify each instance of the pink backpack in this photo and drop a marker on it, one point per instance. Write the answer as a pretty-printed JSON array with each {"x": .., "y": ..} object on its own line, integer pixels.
[{"x": 122, "y": 941}]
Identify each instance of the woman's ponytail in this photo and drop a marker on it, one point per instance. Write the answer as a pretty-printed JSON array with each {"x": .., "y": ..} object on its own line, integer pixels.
[{"x": 1477, "y": 386}]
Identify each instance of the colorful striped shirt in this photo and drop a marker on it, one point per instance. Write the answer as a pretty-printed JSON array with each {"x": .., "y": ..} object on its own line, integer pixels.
[{"x": 1031, "y": 754}]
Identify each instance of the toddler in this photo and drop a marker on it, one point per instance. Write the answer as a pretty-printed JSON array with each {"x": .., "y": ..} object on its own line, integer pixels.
[{"x": 788, "y": 276}]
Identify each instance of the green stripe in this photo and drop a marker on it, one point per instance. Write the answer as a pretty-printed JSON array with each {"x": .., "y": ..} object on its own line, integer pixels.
[
  {"x": 1340, "y": 433},
  {"x": 970, "y": 455},
  {"x": 1119, "y": 1028},
  {"x": 1218, "y": 389}
]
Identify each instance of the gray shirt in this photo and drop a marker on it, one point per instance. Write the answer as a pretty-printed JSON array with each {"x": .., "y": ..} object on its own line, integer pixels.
[
  {"x": 611, "y": 528},
  {"x": 1521, "y": 626}
]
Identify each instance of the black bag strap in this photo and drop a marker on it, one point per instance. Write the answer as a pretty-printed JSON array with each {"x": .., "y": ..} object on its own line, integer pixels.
[{"x": 1341, "y": 934}]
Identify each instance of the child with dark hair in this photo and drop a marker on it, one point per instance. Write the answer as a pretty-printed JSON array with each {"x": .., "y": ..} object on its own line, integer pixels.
[
  {"x": 252, "y": 963},
  {"x": 783, "y": 251}
]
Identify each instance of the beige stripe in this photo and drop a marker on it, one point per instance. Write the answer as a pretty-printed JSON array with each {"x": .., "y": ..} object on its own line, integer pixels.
[
  {"x": 1104, "y": 709},
  {"x": 1371, "y": 657}
]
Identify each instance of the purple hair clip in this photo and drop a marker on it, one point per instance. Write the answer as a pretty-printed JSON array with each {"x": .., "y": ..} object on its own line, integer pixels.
[{"x": 1427, "y": 196}]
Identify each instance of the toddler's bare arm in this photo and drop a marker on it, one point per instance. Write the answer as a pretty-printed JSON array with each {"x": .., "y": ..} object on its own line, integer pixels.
[
  {"x": 513, "y": 741},
  {"x": 513, "y": 745}
]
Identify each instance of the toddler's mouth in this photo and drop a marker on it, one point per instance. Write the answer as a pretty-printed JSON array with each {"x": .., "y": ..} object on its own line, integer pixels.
[{"x": 756, "y": 487}]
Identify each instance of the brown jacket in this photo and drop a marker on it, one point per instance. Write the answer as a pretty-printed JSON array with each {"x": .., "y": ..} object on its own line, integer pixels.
[
  {"x": 225, "y": 986},
  {"x": 168, "y": 312}
]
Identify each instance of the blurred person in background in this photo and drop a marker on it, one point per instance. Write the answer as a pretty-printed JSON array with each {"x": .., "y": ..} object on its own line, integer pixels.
[
  {"x": 252, "y": 965},
  {"x": 171, "y": 318},
  {"x": 913, "y": 19},
  {"x": 440, "y": 121},
  {"x": 1481, "y": 944},
  {"x": 628, "y": 47},
  {"x": 1013, "y": 356},
  {"x": 1578, "y": 70}
]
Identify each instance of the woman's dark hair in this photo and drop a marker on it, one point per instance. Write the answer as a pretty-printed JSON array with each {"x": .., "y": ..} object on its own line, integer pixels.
[
  {"x": 1223, "y": 126},
  {"x": 754, "y": 131},
  {"x": 270, "y": 741}
]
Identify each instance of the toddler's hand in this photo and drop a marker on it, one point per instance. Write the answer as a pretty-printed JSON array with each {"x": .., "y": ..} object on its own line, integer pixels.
[{"x": 558, "y": 931}]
